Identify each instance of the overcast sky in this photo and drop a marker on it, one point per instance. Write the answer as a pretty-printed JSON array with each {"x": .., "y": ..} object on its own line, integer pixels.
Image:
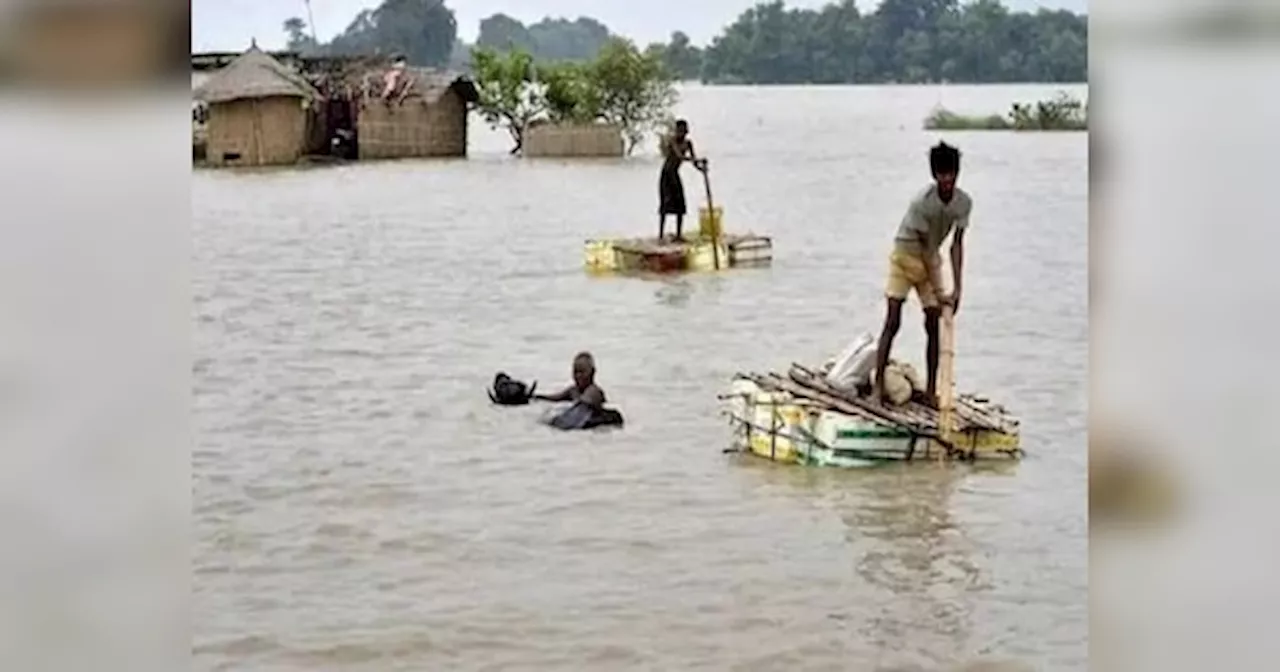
[{"x": 229, "y": 25}]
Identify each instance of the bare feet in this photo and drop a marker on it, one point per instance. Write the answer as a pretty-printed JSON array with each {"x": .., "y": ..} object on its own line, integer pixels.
[{"x": 927, "y": 399}]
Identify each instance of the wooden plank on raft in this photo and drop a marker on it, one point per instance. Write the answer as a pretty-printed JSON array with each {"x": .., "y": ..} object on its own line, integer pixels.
[
  {"x": 854, "y": 407},
  {"x": 985, "y": 415},
  {"x": 779, "y": 383},
  {"x": 967, "y": 418},
  {"x": 904, "y": 416},
  {"x": 655, "y": 246},
  {"x": 648, "y": 247},
  {"x": 849, "y": 407}
]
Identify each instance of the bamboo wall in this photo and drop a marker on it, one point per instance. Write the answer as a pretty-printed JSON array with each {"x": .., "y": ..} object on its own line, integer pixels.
[
  {"x": 263, "y": 131},
  {"x": 413, "y": 128},
  {"x": 573, "y": 140}
]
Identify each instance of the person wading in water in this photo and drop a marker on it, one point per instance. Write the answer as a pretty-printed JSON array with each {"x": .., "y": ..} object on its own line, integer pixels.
[
  {"x": 676, "y": 149},
  {"x": 916, "y": 264},
  {"x": 584, "y": 389}
]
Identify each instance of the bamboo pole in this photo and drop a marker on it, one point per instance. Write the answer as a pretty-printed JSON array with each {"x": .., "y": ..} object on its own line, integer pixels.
[
  {"x": 946, "y": 374},
  {"x": 711, "y": 215}
]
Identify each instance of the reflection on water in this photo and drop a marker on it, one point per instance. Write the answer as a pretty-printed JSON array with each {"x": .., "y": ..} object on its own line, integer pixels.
[
  {"x": 675, "y": 292},
  {"x": 923, "y": 566},
  {"x": 920, "y": 573},
  {"x": 360, "y": 505}
]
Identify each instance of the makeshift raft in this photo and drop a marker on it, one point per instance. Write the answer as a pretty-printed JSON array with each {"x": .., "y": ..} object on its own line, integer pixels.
[
  {"x": 708, "y": 250},
  {"x": 648, "y": 255},
  {"x": 800, "y": 418}
]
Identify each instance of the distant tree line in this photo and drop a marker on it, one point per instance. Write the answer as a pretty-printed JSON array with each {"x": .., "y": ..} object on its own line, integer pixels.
[
  {"x": 425, "y": 32},
  {"x": 909, "y": 41},
  {"x": 906, "y": 41},
  {"x": 547, "y": 40}
]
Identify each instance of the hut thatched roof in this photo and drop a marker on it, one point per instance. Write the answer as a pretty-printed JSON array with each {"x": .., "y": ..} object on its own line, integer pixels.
[
  {"x": 418, "y": 83},
  {"x": 432, "y": 84},
  {"x": 254, "y": 75}
]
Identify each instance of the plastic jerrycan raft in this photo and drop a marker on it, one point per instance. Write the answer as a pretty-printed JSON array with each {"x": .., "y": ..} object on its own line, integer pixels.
[{"x": 709, "y": 223}]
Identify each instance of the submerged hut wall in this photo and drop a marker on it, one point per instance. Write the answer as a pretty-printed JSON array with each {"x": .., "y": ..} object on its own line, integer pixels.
[
  {"x": 573, "y": 140},
  {"x": 414, "y": 112},
  {"x": 257, "y": 132}
]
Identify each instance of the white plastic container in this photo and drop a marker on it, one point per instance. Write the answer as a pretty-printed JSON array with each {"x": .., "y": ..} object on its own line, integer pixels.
[{"x": 855, "y": 363}]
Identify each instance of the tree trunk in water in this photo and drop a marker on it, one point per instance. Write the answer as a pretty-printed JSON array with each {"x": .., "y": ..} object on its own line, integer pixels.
[
  {"x": 517, "y": 135},
  {"x": 631, "y": 139}
]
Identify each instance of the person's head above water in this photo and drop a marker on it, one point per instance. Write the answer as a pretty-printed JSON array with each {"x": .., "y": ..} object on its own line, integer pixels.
[
  {"x": 584, "y": 370},
  {"x": 944, "y": 163},
  {"x": 682, "y": 129}
]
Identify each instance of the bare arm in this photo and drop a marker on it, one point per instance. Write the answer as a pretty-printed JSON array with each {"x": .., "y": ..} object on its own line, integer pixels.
[
  {"x": 700, "y": 164},
  {"x": 564, "y": 395},
  {"x": 957, "y": 255},
  {"x": 593, "y": 396}
]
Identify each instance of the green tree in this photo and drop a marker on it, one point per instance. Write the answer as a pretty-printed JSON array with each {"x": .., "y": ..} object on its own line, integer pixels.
[
  {"x": 547, "y": 40},
  {"x": 681, "y": 58},
  {"x": 564, "y": 40},
  {"x": 295, "y": 29},
  {"x": 423, "y": 31},
  {"x": 360, "y": 37},
  {"x": 621, "y": 86},
  {"x": 901, "y": 41},
  {"x": 770, "y": 43},
  {"x": 570, "y": 92},
  {"x": 636, "y": 90},
  {"x": 508, "y": 95},
  {"x": 503, "y": 33}
]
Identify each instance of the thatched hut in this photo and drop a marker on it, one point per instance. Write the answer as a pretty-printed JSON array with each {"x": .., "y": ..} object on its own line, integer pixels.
[
  {"x": 413, "y": 112},
  {"x": 260, "y": 113}
]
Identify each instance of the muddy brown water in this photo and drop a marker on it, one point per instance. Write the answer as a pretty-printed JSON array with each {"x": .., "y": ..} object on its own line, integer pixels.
[{"x": 360, "y": 505}]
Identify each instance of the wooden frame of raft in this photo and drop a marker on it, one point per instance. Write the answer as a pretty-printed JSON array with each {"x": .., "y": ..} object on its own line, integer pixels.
[
  {"x": 653, "y": 256},
  {"x": 971, "y": 415}
]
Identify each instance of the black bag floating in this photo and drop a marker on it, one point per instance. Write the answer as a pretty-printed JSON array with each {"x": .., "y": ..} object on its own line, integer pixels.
[
  {"x": 508, "y": 391},
  {"x": 583, "y": 416}
]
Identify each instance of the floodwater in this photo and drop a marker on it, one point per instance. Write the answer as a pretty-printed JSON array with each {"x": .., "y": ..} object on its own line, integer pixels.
[{"x": 360, "y": 505}]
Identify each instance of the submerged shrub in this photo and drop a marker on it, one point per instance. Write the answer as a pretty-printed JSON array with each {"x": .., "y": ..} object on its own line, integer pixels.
[{"x": 1060, "y": 113}]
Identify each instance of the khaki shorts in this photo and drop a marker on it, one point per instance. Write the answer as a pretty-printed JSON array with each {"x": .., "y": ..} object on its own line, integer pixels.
[{"x": 907, "y": 272}]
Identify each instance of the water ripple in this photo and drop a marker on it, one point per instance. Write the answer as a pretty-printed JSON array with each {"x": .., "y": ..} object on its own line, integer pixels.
[{"x": 359, "y": 504}]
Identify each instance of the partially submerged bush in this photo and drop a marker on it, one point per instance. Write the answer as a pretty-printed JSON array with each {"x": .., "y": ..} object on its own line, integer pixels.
[
  {"x": 942, "y": 119},
  {"x": 1060, "y": 113},
  {"x": 621, "y": 86}
]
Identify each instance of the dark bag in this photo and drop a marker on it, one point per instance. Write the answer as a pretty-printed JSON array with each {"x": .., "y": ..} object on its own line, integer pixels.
[{"x": 507, "y": 391}]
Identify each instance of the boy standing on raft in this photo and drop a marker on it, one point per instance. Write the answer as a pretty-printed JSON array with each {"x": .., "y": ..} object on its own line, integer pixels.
[
  {"x": 916, "y": 264},
  {"x": 676, "y": 149}
]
